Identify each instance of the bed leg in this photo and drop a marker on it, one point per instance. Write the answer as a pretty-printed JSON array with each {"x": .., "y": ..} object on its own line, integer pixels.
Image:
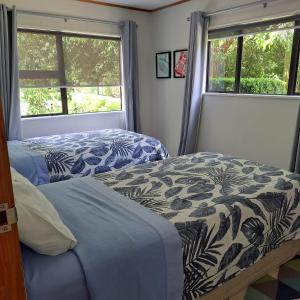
[
  {"x": 239, "y": 296},
  {"x": 274, "y": 273}
]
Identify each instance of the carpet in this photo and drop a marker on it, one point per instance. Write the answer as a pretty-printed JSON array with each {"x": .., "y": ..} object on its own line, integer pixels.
[{"x": 285, "y": 287}]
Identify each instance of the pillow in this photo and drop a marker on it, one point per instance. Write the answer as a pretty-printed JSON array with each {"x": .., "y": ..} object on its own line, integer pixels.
[{"x": 39, "y": 224}]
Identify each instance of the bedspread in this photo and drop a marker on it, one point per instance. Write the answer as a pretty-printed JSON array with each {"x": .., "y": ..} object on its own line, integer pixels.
[
  {"x": 228, "y": 211},
  {"x": 62, "y": 157}
]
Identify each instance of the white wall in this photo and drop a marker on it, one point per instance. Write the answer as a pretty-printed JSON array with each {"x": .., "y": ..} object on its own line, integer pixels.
[
  {"x": 170, "y": 32},
  {"x": 76, "y": 8},
  {"x": 41, "y": 126},
  {"x": 257, "y": 128}
]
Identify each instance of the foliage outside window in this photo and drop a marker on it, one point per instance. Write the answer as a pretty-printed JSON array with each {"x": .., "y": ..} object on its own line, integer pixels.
[
  {"x": 258, "y": 61},
  {"x": 68, "y": 73},
  {"x": 223, "y": 54}
]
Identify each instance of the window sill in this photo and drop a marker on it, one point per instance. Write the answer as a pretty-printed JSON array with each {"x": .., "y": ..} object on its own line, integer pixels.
[
  {"x": 295, "y": 97},
  {"x": 74, "y": 115}
]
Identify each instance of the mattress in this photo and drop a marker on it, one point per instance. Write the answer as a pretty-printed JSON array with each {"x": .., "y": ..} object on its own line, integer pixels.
[{"x": 62, "y": 157}]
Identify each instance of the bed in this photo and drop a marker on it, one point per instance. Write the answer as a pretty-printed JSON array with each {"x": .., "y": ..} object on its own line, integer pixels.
[
  {"x": 233, "y": 219},
  {"x": 61, "y": 157}
]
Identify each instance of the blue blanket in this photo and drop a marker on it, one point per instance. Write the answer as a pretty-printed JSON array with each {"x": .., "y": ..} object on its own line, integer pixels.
[
  {"x": 125, "y": 250},
  {"x": 61, "y": 157}
]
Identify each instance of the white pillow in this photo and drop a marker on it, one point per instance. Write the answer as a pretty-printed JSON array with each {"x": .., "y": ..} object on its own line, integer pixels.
[{"x": 39, "y": 224}]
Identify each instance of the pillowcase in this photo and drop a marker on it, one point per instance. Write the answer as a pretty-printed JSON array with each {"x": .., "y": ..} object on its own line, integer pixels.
[{"x": 39, "y": 224}]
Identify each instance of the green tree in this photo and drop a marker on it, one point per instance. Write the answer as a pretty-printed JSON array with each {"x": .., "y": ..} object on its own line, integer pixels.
[
  {"x": 265, "y": 62},
  {"x": 88, "y": 62}
]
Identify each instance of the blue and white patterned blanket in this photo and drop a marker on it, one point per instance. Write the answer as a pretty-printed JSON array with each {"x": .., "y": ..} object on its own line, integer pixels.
[
  {"x": 229, "y": 212},
  {"x": 82, "y": 154}
]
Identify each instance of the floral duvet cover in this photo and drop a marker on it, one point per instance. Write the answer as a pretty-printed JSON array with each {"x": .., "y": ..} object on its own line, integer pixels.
[{"x": 228, "y": 211}]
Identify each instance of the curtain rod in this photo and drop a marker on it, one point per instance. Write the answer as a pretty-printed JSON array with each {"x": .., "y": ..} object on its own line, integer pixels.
[
  {"x": 66, "y": 17},
  {"x": 238, "y": 7}
]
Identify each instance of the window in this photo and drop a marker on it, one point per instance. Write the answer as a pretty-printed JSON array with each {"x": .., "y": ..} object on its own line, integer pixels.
[
  {"x": 298, "y": 81},
  {"x": 223, "y": 54},
  {"x": 68, "y": 73},
  {"x": 255, "y": 59}
]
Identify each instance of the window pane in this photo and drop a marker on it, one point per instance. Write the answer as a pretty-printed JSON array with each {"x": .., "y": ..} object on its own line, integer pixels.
[
  {"x": 266, "y": 62},
  {"x": 39, "y": 82},
  {"x": 91, "y": 61},
  {"x": 40, "y": 101},
  {"x": 222, "y": 65},
  {"x": 94, "y": 99},
  {"x": 298, "y": 80},
  {"x": 37, "y": 51},
  {"x": 38, "y": 61},
  {"x": 244, "y": 29}
]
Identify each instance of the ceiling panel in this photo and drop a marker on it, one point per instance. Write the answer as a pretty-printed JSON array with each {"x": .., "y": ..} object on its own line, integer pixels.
[{"x": 142, "y": 4}]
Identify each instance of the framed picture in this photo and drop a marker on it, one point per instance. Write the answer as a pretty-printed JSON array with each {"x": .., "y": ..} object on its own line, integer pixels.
[
  {"x": 163, "y": 65},
  {"x": 180, "y": 63}
]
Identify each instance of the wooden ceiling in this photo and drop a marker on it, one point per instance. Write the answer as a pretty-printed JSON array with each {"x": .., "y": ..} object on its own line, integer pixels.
[{"x": 104, "y": 3}]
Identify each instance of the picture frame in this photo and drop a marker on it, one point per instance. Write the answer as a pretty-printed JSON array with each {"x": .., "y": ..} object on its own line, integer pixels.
[
  {"x": 180, "y": 59},
  {"x": 163, "y": 65}
]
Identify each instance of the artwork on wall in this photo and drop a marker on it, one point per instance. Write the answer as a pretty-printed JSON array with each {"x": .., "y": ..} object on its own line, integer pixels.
[
  {"x": 163, "y": 65},
  {"x": 180, "y": 63}
]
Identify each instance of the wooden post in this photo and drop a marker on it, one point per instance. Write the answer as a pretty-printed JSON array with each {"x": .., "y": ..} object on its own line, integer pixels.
[{"x": 11, "y": 273}]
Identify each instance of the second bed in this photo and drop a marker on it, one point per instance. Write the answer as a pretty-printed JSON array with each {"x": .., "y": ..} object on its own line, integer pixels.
[{"x": 61, "y": 157}]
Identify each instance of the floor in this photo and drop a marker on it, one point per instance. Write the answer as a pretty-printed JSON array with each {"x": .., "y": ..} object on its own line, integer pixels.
[{"x": 286, "y": 287}]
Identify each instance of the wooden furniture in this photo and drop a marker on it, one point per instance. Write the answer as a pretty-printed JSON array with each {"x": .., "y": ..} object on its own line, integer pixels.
[
  {"x": 235, "y": 289},
  {"x": 11, "y": 274}
]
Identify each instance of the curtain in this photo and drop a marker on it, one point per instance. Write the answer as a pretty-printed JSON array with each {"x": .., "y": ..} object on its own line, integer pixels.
[
  {"x": 130, "y": 74},
  {"x": 295, "y": 157},
  {"x": 195, "y": 83},
  {"x": 9, "y": 73}
]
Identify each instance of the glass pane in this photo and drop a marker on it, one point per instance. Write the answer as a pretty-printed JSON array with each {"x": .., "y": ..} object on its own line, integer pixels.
[
  {"x": 40, "y": 101},
  {"x": 94, "y": 99},
  {"x": 222, "y": 65},
  {"x": 244, "y": 29},
  {"x": 91, "y": 61},
  {"x": 37, "y": 51},
  {"x": 298, "y": 80},
  {"x": 39, "y": 82},
  {"x": 266, "y": 62}
]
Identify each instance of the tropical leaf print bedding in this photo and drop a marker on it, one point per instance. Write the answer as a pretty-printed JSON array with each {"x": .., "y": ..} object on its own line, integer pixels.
[
  {"x": 229, "y": 212},
  {"x": 81, "y": 154}
]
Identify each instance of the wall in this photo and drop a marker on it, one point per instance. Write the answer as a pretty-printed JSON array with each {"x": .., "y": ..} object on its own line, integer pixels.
[
  {"x": 257, "y": 128},
  {"x": 41, "y": 126},
  {"x": 171, "y": 31}
]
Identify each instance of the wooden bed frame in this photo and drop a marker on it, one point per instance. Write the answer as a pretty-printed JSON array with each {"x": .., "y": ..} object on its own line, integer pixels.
[
  {"x": 236, "y": 288},
  {"x": 12, "y": 285}
]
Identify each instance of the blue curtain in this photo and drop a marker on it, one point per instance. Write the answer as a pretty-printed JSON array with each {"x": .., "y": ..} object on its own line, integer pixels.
[
  {"x": 295, "y": 157},
  {"x": 130, "y": 74},
  {"x": 195, "y": 83},
  {"x": 9, "y": 73}
]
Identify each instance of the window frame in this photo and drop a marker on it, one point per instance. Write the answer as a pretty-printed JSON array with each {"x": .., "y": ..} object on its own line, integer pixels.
[
  {"x": 295, "y": 55},
  {"x": 61, "y": 69}
]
